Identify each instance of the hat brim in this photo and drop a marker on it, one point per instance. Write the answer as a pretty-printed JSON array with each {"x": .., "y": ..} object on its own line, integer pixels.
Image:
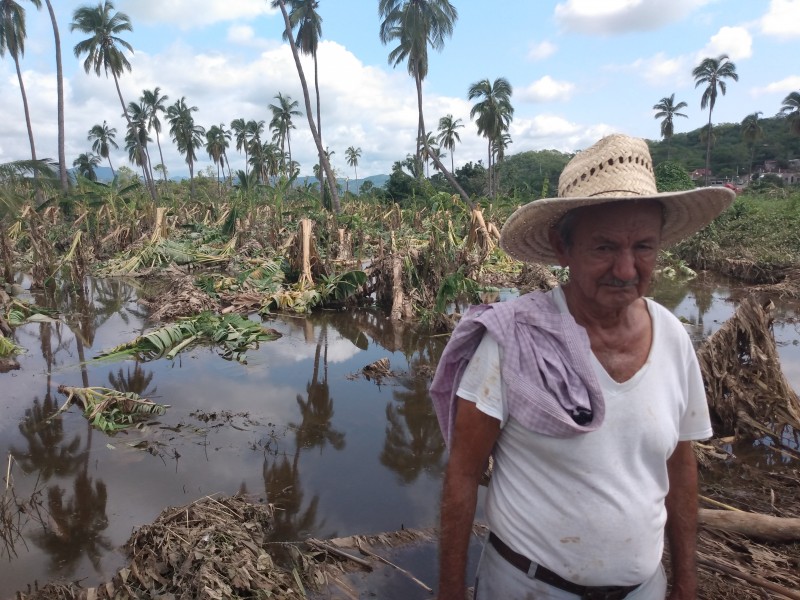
[{"x": 525, "y": 235}]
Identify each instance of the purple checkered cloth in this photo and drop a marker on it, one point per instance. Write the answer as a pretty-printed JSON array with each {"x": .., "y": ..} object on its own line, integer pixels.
[{"x": 548, "y": 382}]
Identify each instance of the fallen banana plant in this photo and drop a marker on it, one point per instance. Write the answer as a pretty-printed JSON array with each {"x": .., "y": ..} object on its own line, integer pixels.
[
  {"x": 110, "y": 410},
  {"x": 161, "y": 253},
  {"x": 9, "y": 348},
  {"x": 233, "y": 333},
  {"x": 19, "y": 312}
]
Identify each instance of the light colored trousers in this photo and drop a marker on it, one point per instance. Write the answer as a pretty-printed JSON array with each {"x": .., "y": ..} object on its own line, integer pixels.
[{"x": 497, "y": 579}]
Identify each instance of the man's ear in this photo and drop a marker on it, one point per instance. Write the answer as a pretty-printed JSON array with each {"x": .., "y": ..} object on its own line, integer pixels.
[{"x": 558, "y": 246}]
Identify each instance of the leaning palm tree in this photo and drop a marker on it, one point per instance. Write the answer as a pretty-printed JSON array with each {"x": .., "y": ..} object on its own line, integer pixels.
[
  {"x": 414, "y": 24},
  {"x": 154, "y": 102},
  {"x": 307, "y": 20},
  {"x": 12, "y": 39},
  {"x": 104, "y": 49},
  {"x": 103, "y": 139},
  {"x": 791, "y": 106},
  {"x": 86, "y": 163},
  {"x": 712, "y": 73},
  {"x": 281, "y": 124},
  {"x": 352, "y": 154},
  {"x": 668, "y": 110},
  {"x": 752, "y": 131},
  {"x": 280, "y": 4},
  {"x": 494, "y": 113},
  {"x": 448, "y": 136},
  {"x": 188, "y": 136},
  {"x": 62, "y": 157}
]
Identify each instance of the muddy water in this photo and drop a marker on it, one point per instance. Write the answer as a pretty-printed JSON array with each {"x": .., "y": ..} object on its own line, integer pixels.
[{"x": 298, "y": 426}]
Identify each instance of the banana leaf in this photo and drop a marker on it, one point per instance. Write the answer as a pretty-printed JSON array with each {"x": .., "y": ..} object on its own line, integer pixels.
[{"x": 110, "y": 410}]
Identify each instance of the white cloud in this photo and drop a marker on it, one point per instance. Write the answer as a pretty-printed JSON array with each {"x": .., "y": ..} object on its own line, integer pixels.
[
  {"x": 553, "y": 132},
  {"x": 784, "y": 86},
  {"x": 541, "y": 50},
  {"x": 244, "y": 35},
  {"x": 736, "y": 42},
  {"x": 782, "y": 19},
  {"x": 193, "y": 13},
  {"x": 659, "y": 70},
  {"x": 608, "y": 17},
  {"x": 547, "y": 89}
]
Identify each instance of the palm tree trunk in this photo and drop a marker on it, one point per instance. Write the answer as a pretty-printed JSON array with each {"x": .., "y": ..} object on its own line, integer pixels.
[
  {"x": 708, "y": 148},
  {"x": 25, "y": 107},
  {"x": 668, "y": 140},
  {"x": 62, "y": 160},
  {"x": 113, "y": 174},
  {"x": 191, "y": 178},
  {"x": 489, "y": 168},
  {"x": 314, "y": 131},
  {"x": 319, "y": 123},
  {"x": 436, "y": 161},
  {"x": 161, "y": 154}
]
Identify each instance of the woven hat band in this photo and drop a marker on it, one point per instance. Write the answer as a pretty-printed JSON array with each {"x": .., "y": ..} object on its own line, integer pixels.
[{"x": 616, "y": 165}]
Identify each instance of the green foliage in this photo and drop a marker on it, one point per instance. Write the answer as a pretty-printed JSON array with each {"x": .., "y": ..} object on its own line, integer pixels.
[
  {"x": 453, "y": 287},
  {"x": 340, "y": 287},
  {"x": 233, "y": 333},
  {"x": 671, "y": 177},
  {"x": 110, "y": 410},
  {"x": 8, "y": 348}
]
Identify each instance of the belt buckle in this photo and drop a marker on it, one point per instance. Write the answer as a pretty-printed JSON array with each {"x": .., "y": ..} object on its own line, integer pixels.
[{"x": 605, "y": 593}]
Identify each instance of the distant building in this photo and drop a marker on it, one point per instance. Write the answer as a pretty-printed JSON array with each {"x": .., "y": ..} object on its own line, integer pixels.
[{"x": 699, "y": 174}]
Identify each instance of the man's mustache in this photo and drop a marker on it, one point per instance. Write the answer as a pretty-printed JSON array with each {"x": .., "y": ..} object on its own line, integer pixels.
[{"x": 620, "y": 283}]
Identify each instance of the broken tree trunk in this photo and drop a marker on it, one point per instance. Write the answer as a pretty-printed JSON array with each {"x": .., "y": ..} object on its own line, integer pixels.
[
  {"x": 752, "y": 525},
  {"x": 742, "y": 374}
]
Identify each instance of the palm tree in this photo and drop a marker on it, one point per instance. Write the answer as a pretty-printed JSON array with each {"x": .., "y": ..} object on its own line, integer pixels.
[
  {"x": 102, "y": 49},
  {"x": 429, "y": 149},
  {"x": 494, "y": 113},
  {"x": 86, "y": 164},
  {"x": 281, "y": 123},
  {"x": 239, "y": 128},
  {"x": 751, "y": 131},
  {"x": 253, "y": 131},
  {"x": 139, "y": 117},
  {"x": 187, "y": 136},
  {"x": 306, "y": 99},
  {"x": 102, "y": 138},
  {"x": 62, "y": 157},
  {"x": 305, "y": 17},
  {"x": 154, "y": 102},
  {"x": 712, "y": 72},
  {"x": 136, "y": 139},
  {"x": 448, "y": 136},
  {"x": 667, "y": 110},
  {"x": 791, "y": 106},
  {"x": 352, "y": 155},
  {"x": 217, "y": 139},
  {"x": 12, "y": 39}
]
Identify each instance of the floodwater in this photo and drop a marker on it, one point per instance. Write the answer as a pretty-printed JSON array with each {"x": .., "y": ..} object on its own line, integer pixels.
[{"x": 298, "y": 426}]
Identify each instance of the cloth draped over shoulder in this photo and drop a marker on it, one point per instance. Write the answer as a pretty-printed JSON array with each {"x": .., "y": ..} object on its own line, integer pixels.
[{"x": 549, "y": 384}]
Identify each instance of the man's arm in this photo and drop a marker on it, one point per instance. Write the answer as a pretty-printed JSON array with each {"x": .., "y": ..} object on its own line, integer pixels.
[
  {"x": 681, "y": 503},
  {"x": 474, "y": 435}
]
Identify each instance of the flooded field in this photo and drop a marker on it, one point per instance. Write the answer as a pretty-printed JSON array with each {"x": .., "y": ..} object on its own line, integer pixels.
[{"x": 299, "y": 426}]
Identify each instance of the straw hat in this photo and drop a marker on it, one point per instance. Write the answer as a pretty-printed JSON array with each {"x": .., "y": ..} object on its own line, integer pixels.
[{"x": 618, "y": 167}]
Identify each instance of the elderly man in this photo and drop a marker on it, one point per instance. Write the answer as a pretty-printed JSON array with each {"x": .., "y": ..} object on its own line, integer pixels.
[{"x": 587, "y": 396}]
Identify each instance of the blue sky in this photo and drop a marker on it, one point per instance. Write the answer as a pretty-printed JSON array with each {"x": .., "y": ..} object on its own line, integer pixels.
[{"x": 579, "y": 69}]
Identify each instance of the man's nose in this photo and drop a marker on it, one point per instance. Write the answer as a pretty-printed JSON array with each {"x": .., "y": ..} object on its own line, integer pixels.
[{"x": 625, "y": 265}]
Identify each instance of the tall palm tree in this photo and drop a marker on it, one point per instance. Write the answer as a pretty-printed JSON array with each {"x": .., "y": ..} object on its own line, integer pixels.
[
  {"x": 103, "y": 139},
  {"x": 253, "y": 131},
  {"x": 494, "y": 113},
  {"x": 668, "y": 110},
  {"x": 104, "y": 49},
  {"x": 136, "y": 139},
  {"x": 12, "y": 39},
  {"x": 752, "y": 131},
  {"x": 448, "y": 136},
  {"x": 307, "y": 100},
  {"x": 791, "y": 106},
  {"x": 712, "y": 73},
  {"x": 308, "y": 21},
  {"x": 217, "y": 140},
  {"x": 414, "y": 24},
  {"x": 281, "y": 124},
  {"x": 429, "y": 149},
  {"x": 62, "y": 157},
  {"x": 352, "y": 154},
  {"x": 188, "y": 136},
  {"x": 86, "y": 164},
  {"x": 139, "y": 116},
  {"x": 239, "y": 129},
  {"x": 154, "y": 102}
]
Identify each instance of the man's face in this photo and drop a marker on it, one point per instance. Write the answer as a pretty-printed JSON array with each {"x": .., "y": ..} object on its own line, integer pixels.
[{"x": 613, "y": 253}]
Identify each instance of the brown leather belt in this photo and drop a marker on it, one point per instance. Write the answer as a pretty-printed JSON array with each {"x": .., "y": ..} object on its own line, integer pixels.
[{"x": 586, "y": 592}]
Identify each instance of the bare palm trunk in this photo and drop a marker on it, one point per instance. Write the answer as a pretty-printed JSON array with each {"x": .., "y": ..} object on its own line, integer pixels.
[
  {"x": 25, "y": 107},
  {"x": 489, "y": 168},
  {"x": 62, "y": 160},
  {"x": 708, "y": 147},
  {"x": 319, "y": 125},
  {"x": 191, "y": 178},
  {"x": 161, "y": 154},
  {"x": 436, "y": 161},
  {"x": 314, "y": 132},
  {"x": 142, "y": 158},
  {"x": 113, "y": 174}
]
